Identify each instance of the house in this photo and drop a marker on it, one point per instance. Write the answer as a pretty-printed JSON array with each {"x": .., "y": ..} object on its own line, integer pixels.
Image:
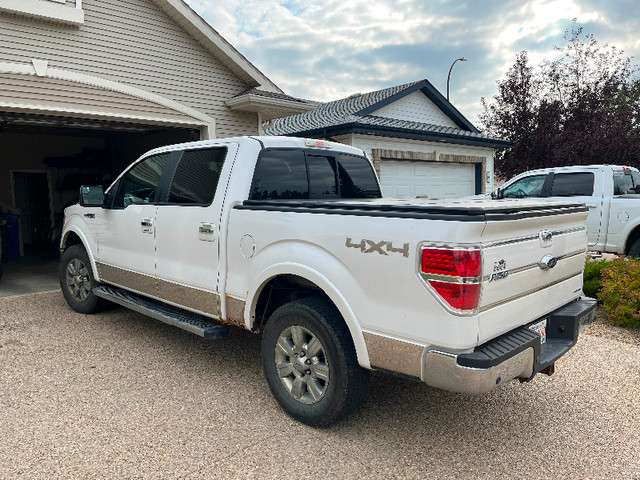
[
  {"x": 420, "y": 144},
  {"x": 86, "y": 86}
]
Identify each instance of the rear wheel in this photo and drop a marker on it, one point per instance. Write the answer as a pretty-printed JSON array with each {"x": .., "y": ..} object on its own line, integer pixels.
[
  {"x": 310, "y": 362},
  {"x": 77, "y": 280}
]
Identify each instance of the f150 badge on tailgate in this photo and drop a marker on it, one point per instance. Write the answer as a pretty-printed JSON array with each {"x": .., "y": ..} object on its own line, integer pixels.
[
  {"x": 383, "y": 247},
  {"x": 499, "y": 271}
]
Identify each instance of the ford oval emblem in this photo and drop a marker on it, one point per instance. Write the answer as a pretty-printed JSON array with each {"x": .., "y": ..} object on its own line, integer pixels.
[{"x": 547, "y": 262}]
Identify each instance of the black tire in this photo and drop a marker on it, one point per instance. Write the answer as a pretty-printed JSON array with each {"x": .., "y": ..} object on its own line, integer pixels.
[
  {"x": 327, "y": 384},
  {"x": 77, "y": 281},
  {"x": 634, "y": 250}
]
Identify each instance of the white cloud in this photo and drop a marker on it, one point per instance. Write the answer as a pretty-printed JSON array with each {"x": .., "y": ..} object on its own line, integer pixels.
[{"x": 328, "y": 49}]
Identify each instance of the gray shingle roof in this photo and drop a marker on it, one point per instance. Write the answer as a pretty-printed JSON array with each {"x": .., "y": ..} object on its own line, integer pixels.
[
  {"x": 264, "y": 93},
  {"x": 346, "y": 114},
  {"x": 334, "y": 113}
]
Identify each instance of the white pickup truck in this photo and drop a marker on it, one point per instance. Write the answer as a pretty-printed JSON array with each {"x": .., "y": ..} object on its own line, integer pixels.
[
  {"x": 290, "y": 238},
  {"x": 611, "y": 192}
]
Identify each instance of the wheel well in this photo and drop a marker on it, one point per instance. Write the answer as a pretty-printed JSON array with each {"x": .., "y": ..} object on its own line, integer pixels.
[
  {"x": 72, "y": 239},
  {"x": 631, "y": 239},
  {"x": 280, "y": 290}
]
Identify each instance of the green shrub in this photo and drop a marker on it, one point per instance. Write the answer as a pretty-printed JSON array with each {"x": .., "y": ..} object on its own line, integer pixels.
[
  {"x": 620, "y": 294},
  {"x": 593, "y": 277}
]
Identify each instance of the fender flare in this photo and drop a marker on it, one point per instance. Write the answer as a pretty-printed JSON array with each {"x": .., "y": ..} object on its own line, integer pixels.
[
  {"x": 83, "y": 239},
  {"x": 326, "y": 285},
  {"x": 627, "y": 232}
]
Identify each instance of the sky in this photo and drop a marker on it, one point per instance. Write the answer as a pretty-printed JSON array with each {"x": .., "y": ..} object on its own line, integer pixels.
[{"x": 326, "y": 50}]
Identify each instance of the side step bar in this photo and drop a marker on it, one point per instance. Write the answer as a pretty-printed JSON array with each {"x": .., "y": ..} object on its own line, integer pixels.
[{"x": 191, "y": 322}]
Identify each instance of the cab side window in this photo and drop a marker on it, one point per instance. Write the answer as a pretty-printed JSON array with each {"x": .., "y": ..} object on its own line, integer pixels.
[
  {"x": 296, "y": 174},
  {"x": 280, "y": 174},
  {"x": 626, "y": 182},
  {"x": 525, "y": 187},
  {"x": 572, "y": 184},
  {"x": 140, "y": 184},
  {"x": 196, "y": 177}
]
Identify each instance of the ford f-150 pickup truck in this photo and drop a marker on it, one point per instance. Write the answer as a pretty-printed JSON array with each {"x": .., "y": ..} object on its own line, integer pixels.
[
  {"x": 291, "y": 238},
  {"x": 611, "y": 192}
]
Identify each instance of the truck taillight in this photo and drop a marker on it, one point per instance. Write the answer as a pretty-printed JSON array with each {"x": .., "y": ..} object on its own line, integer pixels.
[{"x": 455, "y": 275}]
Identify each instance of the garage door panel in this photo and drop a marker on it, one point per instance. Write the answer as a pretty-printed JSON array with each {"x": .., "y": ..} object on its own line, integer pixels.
[
  {"x": 408, "y": 179},
  {"x": 422, "y": 170}
]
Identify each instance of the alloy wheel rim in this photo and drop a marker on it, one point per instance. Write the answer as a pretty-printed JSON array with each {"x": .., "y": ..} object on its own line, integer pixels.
[
  {"x": 302, "y": 364},
  {"x": 78, "y": 281}
]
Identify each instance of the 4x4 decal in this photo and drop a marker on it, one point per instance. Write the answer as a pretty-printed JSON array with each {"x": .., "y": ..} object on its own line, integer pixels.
[{"x": 383, "y": 247}]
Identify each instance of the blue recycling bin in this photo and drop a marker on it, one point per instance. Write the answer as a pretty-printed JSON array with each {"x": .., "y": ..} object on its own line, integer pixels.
[{"x": 11, "y": 237}]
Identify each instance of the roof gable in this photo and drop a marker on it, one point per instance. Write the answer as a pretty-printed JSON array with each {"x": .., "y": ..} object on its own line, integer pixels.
[
  {"x": 430, "y": 92},
  {"x": 360, "y": 113},
  {"x": 211, "y": 40},
  {"x": 415, "y": 107}
]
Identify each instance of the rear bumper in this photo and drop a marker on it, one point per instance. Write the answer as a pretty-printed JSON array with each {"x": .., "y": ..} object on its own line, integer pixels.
[{"x": 516, "y": 354}]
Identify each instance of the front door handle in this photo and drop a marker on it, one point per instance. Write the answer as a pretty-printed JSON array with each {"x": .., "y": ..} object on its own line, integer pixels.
[
  {"x": 147, "y": 225},
  {"x": 206, "y": 232}
]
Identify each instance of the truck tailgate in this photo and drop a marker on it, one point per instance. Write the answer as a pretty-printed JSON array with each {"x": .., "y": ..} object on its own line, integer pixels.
[{"x": 531, "y": 264}]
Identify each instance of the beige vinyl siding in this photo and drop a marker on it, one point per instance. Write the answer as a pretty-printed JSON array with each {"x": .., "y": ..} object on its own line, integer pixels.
[
  {"x": 415, "y": 107},
  {"x": 136, "y": 43},
  {"x": 54, "y": 93}
]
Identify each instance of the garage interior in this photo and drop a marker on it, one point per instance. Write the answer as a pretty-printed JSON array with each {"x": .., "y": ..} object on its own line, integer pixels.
[{"x": 45, "y": 159}]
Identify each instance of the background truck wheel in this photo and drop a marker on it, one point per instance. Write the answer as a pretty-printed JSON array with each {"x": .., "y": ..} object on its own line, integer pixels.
[
  {"x": 634, "y": 250},
  {"x": 77, "y": 281},
  {"x": 310, "y": 362}
]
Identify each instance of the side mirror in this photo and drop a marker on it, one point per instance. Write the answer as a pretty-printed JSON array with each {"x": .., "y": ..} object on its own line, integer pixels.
[
  {"x": 91, "y": 196},
  {"x": 496, "y": 194}
]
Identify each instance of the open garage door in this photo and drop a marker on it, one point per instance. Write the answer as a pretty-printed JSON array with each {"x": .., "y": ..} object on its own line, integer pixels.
[
  {"x": 410, "y": 179},
  {"x": 45, "y": 159}
]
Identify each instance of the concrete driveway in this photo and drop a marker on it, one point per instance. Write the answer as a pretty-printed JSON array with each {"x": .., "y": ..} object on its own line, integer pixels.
[{"x": 118, "y": 395}]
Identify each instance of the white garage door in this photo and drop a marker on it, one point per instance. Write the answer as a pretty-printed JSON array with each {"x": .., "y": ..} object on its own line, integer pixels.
[{"x": 407, "y": 179}]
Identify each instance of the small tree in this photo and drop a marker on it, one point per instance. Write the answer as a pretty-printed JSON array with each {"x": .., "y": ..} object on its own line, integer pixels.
[{"x": 583, "y": 107}]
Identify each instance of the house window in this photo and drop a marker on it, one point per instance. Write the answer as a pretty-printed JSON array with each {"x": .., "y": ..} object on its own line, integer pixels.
[{"x": 58, "y": 11}]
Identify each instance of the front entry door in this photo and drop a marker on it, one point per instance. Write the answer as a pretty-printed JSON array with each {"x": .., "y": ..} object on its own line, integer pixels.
[{"x": 126, "y": 238}]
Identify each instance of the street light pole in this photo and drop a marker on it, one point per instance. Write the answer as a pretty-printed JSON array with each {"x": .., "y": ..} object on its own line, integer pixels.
[{"x": 461, "y": 59}]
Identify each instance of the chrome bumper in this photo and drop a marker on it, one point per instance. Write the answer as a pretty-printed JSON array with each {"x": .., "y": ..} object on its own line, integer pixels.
[
  {"x": 516, "y": 354},
  {"x": 441, "y": 370}
]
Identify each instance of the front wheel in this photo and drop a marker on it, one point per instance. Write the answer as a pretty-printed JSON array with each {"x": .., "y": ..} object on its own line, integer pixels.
[
  {"x": 310, "y": 362},
  {"x": 77, "y": 280},
  {"x": 634, "y": 250}
]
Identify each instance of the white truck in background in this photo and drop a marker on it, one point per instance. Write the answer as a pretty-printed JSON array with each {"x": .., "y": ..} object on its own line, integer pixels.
[
  {"x": 291, "y": 238},
  {"x": 611, "y": 192}
]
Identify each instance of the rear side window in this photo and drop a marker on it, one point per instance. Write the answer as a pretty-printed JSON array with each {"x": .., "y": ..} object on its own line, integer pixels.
[
  {"x": 572, "y": 184},
  {"x": 295, "y": 174},
  {"x": 280, "y": 174},
  {"x": 196, "y": 177}
]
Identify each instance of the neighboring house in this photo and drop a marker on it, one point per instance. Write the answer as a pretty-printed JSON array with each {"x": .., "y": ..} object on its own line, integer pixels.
[
  {"x": 86, "y": 86},
  {"x": 419, "y": 143}
]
